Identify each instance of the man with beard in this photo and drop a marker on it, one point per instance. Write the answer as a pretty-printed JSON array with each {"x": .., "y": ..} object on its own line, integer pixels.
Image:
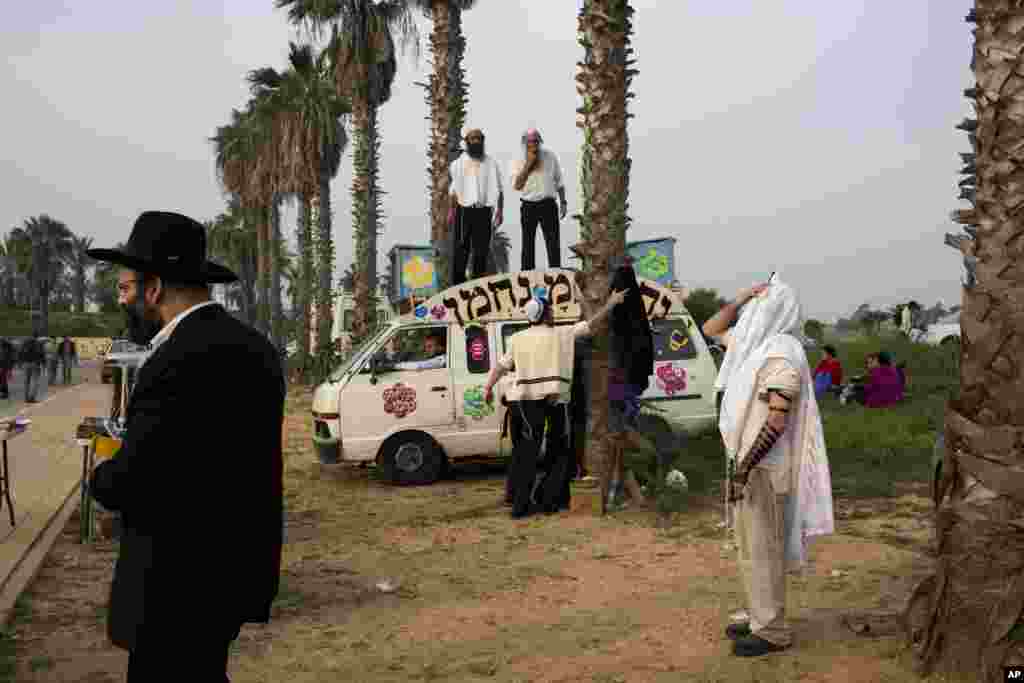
[
  {"x": 779, "y": 482},
  {"x": 538, "y": 176},
  {"x": 33, "y": 358},
  {"x": 205, "y": 529},
  {"x": 476, "y": 189}
]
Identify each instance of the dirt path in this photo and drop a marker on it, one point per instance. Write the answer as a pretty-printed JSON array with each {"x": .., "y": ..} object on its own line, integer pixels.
[{"x": 477, "y": 596}]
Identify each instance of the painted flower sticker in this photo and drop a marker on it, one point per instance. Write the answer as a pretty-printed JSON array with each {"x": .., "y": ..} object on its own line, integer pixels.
[
  {"x": 417, "y": 273},
  {"x": 653, "y": 265},
  {"x": 439, "y": 312},
  {"x": 421, "y": 311},
  {"x": 671, "y": 378}
]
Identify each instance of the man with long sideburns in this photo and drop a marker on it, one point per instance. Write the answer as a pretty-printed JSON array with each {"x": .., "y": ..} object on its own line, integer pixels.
[
  {"x": 779, "y": 482},
  {"x": 539, "y": 177},
  {"x": 476, "y": 191}
]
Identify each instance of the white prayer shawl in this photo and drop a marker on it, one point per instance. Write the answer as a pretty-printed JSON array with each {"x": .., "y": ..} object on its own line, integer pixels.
[
  {"x": 483, "y": 187},
  {"x": 765, "y": 331}
]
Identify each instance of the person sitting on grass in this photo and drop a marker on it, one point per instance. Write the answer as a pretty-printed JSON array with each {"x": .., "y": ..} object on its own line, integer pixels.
[
  {"x": 828, "y": 376},
  {"x": 884, "y": 387}
]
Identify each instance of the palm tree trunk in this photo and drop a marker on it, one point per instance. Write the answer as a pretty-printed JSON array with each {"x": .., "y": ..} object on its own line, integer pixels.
[
  {"x": 364, "y": 213},
  {"x": 966, "y": 617},
  {"x": 304, "y": 240},
  {"x": 604, "y": 83},
  {"x": 439, "y": 101},
  {"x": 325, "y": 265},
  {"x": 276, "y": 319}
]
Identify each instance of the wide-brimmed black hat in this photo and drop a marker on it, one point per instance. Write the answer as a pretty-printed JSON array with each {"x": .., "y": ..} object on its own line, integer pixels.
[{"x": 168, "y": 245}]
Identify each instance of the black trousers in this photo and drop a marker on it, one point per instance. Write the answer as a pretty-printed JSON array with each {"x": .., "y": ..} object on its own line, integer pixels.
[
  {"x": 552, "y": 493},
  {"x": 544, "y": 212},
  {"x": 472, "y": 234},
  {"x": 195, "y": 657}
]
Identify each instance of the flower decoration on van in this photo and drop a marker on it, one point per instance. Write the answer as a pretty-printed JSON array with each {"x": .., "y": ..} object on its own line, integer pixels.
[
  {"x": 678, "y": 340},
  {"x": 400, "y": 400},
  {"x": 671, "y": 378},
  {"x": 417, "y": 273},
  {"x": 439, "y": 312},
  {"x": 652, "y": 265},
  {"x": 421, "y": 311},
  {"x": 474, "y": 404}
]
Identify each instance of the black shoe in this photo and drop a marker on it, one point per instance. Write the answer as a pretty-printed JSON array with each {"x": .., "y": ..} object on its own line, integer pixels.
[
  {"x": 737, "y": 630},
  {"x": 755, "y": 646}
]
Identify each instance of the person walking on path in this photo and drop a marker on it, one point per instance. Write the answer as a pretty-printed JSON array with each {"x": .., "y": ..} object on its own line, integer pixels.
[
  {"x": 209, "y": 539},
  {"x": 7, "y": 359},
  {"x": 50, "y": 347},
  {"x": 542, "y": 357},
  {"x": 779, "y": 484},
  {"x": 538, "y": 176},
  {"x": 32, "y": 357},
  {"x": 68, "y": 358},
  {"x": 477, "y": 206}
]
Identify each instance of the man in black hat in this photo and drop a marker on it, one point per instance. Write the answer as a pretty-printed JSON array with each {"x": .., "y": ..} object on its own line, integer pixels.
[{"x": 198, "y": 477}]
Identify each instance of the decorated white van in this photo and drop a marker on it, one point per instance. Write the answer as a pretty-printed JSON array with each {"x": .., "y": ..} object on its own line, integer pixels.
[{"x": 413, "y": 415}]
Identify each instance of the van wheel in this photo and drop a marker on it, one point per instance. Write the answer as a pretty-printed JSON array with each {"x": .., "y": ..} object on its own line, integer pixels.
[{"x": 412, "y": 458}]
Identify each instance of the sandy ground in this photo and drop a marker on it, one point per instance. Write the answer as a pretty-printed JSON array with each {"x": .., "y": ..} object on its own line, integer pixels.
[{"x": 437, "y": 583}]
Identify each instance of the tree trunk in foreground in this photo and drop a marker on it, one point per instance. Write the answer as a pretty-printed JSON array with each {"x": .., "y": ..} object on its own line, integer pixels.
[
  {"x": 966, "y": 617},
  {"x": 603, "y": 82}
]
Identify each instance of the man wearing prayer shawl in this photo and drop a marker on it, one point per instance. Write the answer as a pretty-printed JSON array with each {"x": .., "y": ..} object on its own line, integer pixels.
[{"x": 771, "y": 428}]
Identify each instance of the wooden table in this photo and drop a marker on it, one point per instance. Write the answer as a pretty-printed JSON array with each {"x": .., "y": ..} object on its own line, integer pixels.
[{"x": 5, "y": 471}]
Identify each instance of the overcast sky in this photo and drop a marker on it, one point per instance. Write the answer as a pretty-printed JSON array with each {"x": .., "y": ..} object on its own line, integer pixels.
[{"x": 813, "y": 138}]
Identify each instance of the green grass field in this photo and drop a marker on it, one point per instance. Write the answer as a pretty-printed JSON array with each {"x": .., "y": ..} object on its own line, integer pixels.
[{"x": 871, "y": 451}]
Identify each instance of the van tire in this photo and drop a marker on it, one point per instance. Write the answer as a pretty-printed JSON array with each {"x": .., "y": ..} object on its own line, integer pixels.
[{"x": 412, "y": 458}]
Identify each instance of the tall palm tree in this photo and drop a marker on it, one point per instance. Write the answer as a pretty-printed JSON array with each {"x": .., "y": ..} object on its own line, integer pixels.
[
  {"x": 18, "y": 251},
  {"x": 244, "y": 160},
  {"x": 603, "y": 81},
  {"x": 232, "y": 240},
  {"x": 104, "y": 284},
  {"x": 968, "y": 615},
  {"x": 51, "y": 245},
  {"x": 308, "y": 115},
  {"x": 363, "y": 37},
  {"x": 446, "y": 99},
  {"x": 79, "y": 263}
]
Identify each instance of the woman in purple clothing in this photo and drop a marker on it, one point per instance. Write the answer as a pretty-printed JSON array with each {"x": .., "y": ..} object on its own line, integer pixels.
[{"x": 885, "y": 385}]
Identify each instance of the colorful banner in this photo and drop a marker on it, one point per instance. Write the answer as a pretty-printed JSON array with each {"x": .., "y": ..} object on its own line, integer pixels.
[
  {"x": 654, "y": 260},
  {"x": 414, "y": 272}
]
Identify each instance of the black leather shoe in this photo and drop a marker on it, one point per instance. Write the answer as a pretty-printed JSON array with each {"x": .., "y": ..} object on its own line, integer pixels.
[
  {"x": 737, "y": 631},
  {"x": 755, "y": 646}
]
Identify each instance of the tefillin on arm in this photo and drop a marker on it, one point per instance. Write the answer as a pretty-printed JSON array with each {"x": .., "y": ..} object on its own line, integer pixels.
[{"x": 766, "y": 439}]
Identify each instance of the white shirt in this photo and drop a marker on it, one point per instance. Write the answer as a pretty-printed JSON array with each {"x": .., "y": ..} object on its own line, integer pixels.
[
  {"x": 434, "y": 363},
  {"x": 165, "y": 332},
  {"x": 475, "y": 181},
  {"x": 544, "y": 182}
]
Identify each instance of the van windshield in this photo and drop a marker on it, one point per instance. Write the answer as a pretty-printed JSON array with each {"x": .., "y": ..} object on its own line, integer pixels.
[{"x": 358, "y": 353}]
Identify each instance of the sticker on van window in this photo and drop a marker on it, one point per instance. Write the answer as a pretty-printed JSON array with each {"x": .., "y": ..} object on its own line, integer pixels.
[
  {"x": 439, "y": 312},
  {"x": 671, "y": 378},
  {"x": 474, "y": 404},
  {"x": 421, "y": 311},
  {"x": 678, "y": 340},
  {"x": 400, "y": 400}
]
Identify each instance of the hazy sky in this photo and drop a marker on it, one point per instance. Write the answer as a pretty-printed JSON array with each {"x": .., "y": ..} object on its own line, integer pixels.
[{"x": 813, "y": 138}]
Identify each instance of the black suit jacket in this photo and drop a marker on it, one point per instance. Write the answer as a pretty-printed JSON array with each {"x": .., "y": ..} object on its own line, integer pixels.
[{"x": 198, "y": 482}]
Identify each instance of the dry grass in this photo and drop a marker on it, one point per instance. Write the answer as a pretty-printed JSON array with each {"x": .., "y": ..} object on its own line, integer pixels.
[{"x": 479, "y": 596}]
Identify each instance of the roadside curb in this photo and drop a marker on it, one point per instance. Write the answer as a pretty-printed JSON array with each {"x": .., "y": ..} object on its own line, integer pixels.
[{"x": 31, "y": 561}]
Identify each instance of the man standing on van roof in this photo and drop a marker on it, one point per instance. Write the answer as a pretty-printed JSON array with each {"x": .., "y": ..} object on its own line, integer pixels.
[
  {"x": 779, "y": 486},
  {"x": 542, "y": 357},
  {"x": 539, "y": 177},
  {"x": 476, "y": 189}
]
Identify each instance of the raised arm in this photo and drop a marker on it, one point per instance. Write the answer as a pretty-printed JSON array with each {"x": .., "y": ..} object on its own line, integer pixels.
[
  {"x": 614, "y": 300},
  {"x": 720, "y": 322}
]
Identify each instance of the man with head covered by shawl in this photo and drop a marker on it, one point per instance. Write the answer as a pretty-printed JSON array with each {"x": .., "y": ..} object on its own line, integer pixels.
[{"x": 780, "y": 488}]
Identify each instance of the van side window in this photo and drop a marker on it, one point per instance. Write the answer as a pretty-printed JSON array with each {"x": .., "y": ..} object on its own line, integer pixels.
[
  {"x": 478, "y": 352},
  {"x": 673, "y": 341}
]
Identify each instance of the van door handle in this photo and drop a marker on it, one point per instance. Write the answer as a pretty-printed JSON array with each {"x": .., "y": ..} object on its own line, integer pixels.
[{"x": 439, "y": 388}]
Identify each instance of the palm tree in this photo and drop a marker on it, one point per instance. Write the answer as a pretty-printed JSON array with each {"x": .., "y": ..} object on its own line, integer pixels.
[
  {"x": 362, "y": 44},
  {"x": 308, "y": 115},
  {"x": 967, "y": 615},
  {"x": 104, "y": 284},
  {"x": 18, "y": 252},
  {"x": 232, "y": 240},
  {"x": 605, "y": 27},
  {"x": 50, "y": 242},
  {"x": 244, "y": 160},
  {"x": 79, "y": 263},
  {"x": 446, "y": 99}
]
